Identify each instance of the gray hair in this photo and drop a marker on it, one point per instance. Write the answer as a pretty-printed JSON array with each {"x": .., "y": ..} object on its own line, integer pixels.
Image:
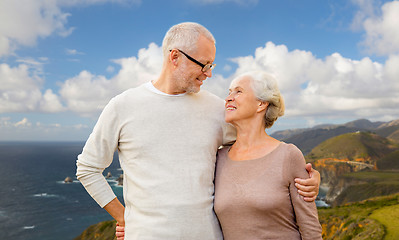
[
  {"x": 266, "y": 89},
  {"x": 184, "y": 36}
]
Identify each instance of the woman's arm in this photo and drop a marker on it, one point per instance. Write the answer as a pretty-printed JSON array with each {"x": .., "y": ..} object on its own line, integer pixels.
[
  {"x": 309, "y": 187},
  {"x": 305, "y": 212}
]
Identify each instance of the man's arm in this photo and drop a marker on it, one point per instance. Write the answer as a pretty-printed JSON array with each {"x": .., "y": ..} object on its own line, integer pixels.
[
  {"x": 309, "y": 188},
  {"x": 117, "y": 211}
]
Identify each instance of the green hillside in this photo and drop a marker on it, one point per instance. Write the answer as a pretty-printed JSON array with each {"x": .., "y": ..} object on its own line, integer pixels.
[
  {"x": 394, "y": 136},
  {"x": 354, "y": 145},
  {"x": 375, "y": 218},
  {"x": 100, "y": 231},
  {"x": 368, "y": 184},
  {"x": 387, "y": 130},
  {"x": 389, "y": 162}
]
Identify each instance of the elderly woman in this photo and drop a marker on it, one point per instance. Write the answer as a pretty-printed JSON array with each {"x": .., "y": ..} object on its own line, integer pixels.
[{"x": 255, "y": 193}]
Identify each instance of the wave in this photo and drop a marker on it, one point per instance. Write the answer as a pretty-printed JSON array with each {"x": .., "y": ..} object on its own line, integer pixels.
[
  {"x": 46, "y": 195},
  {"x": 29, "y": 227},
  {"x": 63, "y": 182}
]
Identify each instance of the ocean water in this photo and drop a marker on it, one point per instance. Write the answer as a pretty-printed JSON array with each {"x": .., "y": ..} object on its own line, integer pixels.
[{"x": 35, "y": 203}]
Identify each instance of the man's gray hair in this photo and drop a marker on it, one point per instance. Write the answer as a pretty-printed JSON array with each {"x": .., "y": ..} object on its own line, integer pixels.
[
  {"x": 266, "y": 89},
  {"x": 184, "y": 36}
]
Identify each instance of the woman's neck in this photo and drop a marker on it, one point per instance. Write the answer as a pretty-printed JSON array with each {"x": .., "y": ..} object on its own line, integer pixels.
[{"x": 252, "y": 142}]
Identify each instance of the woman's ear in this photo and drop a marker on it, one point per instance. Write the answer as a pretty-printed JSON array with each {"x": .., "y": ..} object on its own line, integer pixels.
[{"x": 262, "y": 106}]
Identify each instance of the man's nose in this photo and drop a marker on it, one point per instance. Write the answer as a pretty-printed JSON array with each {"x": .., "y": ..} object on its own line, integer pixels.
[{"x": 208, "y": 73}]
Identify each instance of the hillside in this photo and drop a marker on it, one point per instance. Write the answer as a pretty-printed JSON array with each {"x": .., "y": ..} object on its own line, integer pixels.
[
  {"x": 366, "y": 184},
  {"x": 375, "y": 218},
  {"x": 350, "y": 153},
  {"x": 100, "y": 231},
  {"x": 308, "y": 138},
  {"x": 389, "y": 162},
  {"x": 359, "y": 146}
]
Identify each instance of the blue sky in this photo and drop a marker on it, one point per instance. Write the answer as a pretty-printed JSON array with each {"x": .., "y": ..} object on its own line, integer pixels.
[{"x": 62, "y": 61}]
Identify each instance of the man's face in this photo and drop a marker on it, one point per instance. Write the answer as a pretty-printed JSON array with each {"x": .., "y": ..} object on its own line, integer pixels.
[{"x": 189, "y": 75}]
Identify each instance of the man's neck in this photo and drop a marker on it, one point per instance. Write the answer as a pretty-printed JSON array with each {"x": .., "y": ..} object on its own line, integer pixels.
[{"x": 166, "y": 85}]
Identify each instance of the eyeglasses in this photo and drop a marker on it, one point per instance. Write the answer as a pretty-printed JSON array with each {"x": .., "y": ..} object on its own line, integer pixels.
[{"x": 205, "y": 67}]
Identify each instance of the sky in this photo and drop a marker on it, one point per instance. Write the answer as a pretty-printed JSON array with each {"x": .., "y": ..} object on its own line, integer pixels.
[{"x": 61, "y": 61}]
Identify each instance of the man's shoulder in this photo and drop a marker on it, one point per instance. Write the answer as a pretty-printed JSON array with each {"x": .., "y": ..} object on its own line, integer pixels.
[
  {"x": 209, "y": 96},
  {"x": 130, "y": 93}
]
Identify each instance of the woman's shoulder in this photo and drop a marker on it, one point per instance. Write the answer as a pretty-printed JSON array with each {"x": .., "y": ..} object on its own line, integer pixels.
[
  {"x": 291, "y": 151},
  {"x": 289, "y": 147}
]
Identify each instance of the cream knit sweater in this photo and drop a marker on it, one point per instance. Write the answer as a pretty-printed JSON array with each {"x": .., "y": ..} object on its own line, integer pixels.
[{"x": 167, "y": 149}]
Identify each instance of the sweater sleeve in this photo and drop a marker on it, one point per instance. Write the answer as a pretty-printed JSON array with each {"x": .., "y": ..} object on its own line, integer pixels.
[
  {"x": 98, "y": 154},
  {"x": 229, "y": 134},
  {"x": 305, "y": 212}
]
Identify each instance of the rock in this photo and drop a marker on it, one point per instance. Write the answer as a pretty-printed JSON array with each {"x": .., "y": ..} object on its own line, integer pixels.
[
  {"x": 120, "y": 180},
  {"x": 68, "y": 180},
  {"x": 108, "y": 175}
]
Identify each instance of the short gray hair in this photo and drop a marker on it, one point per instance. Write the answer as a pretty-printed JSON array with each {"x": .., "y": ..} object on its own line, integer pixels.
[
  {"x": 266, "y": 89},
  {"x": 185, "y": 36}
]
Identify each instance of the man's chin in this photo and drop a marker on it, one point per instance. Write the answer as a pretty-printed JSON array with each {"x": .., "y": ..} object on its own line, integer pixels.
[{"x": 193, "y": 90}]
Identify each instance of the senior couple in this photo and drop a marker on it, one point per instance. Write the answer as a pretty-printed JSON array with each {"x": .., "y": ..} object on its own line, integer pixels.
[{"x": 179, "y": 183}]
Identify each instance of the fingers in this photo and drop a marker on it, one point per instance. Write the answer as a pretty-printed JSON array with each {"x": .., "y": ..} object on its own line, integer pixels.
[
  {"x": 306, "y": 188},
  {"x": 306, "y": 182},
  {"x": 308, "y": 168},
  {"x": 309, "y": 199},
  {"x": 120, "y": 232}
]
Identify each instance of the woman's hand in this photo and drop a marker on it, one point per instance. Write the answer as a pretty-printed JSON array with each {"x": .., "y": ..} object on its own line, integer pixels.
[
  {"x": 120, "y": 232},
  {"x": 309, "y": 188}
]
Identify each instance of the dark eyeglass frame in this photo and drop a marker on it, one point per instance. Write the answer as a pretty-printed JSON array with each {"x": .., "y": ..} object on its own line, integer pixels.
[{"x": 204, "y": 67}]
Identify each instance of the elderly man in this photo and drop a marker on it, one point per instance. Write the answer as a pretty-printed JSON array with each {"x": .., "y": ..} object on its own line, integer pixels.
[{"x": 167, "y": 133}]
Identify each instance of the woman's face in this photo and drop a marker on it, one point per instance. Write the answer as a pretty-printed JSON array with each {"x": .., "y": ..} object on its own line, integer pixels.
[{"x": 241, "y": 104}]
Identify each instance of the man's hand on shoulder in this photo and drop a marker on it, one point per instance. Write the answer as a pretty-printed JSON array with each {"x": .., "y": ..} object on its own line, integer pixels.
[{"x": 309, "y": 188}]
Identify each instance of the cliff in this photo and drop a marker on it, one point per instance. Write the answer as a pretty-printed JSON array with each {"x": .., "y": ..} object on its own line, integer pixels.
[
  {"x": 100, "y": 231},
  {"x": 375, "y": 218},
  {"x": 349, "y": 153}
]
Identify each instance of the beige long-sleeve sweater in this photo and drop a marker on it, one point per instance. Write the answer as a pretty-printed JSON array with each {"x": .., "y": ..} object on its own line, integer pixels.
[
  {"x": 257, "y": 199},
  {"x": 167, "y": 149}
]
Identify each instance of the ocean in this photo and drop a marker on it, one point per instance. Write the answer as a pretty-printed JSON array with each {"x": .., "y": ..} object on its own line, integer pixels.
[{"x": 35, "y": 203}]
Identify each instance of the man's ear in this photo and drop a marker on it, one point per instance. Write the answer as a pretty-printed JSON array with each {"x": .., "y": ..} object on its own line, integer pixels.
[
  {"x": 174, "y": 57},
  {"x": 262, "y": 106}
]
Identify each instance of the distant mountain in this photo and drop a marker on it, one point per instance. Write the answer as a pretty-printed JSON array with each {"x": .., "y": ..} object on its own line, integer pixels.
[
  {"x": 354, "y": 146},
  {"x": 391, "y": 123},
  {"x": 363, "y": 124},
  {"x": 308, "y": 138},
  {"x": 394, "y": 136}
]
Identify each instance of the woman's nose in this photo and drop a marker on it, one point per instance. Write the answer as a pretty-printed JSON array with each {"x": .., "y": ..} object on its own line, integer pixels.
[{"x": 229, "y": 98}]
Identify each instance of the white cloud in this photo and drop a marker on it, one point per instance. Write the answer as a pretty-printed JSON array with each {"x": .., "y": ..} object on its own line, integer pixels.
[
  {"x": 73, "y": 52},
  {"x": 87, "y": 94},
  {"x": 22, "y": 22},
  {"x": 110, "y": 69},
  {"x": 332, "y": 87},
  {"x": 23, "y": 123},
  {"x": 17, "y": 130},
  {"x": 381, "y": 29},
  {"x": 20, "y": 91},
  {"x": 50, "y": 102}
]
